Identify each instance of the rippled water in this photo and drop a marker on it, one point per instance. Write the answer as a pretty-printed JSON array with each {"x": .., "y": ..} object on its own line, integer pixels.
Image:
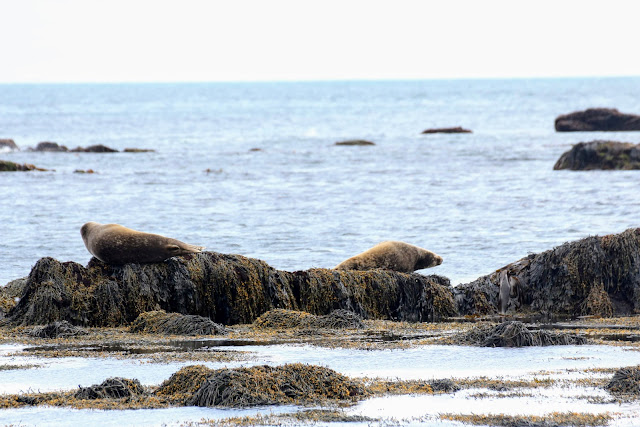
[{"x": 480, "y": 200}]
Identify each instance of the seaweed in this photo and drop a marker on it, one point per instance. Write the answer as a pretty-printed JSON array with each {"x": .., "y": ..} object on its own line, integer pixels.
[
  {"x": 160, "y": 322},
  {"x": 515, "y": 334}
]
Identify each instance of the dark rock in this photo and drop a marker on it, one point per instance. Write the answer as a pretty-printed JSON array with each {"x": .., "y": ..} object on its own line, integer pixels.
[
  {"x": 592, "y": 276},
  {"x": 625, "y": 382},
  {"x": 111, "y": 388},
  {"x": 160, "y": 322},
  {"x": 62, "y": 329},
  {"x": 7, "y": 166},
  {"x": 355, "y": 142},
  {"x": 95, "y": 149},
  {"x": 600, "y": 155},
  {"x": 597, "y": 119},
  {"x": 8, "y": 144},
  {"x": 457, "y": 129},
  {"x": 50, "y": 146},
  {"x": 272, "y": 385},
  {"x": 229, "y": 289}
]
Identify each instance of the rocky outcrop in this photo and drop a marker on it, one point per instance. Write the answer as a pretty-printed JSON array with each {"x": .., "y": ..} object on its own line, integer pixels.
[
  {"x": 600, "y": 155},
  {"x": 456, "y": 129},
  {"x": 8, "y": 145},
  {"x": 228, "y": 289},
  {"x": 597, "y": 119},
  {"x": 50, "y": 146},
  {"x": 95, "y": 149},
  {"x": 7, "y": 166},
  {"x": 592, "y": 276},
  {"x": 355, "y": 142}
]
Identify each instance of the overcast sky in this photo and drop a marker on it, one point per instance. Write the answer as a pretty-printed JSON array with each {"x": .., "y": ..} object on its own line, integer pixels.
[{"x": 239, "y": 40}]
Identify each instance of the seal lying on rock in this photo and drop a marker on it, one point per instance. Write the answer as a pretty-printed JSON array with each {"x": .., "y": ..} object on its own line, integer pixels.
[
  {"x": 392, "y": 255},
  {"x": 115, "y": 244}
]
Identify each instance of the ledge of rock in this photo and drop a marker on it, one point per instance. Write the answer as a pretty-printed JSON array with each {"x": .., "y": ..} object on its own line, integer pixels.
[
  {"x": 355, "y": 142},
  {"x": 7, "y": 166},
  {"x": 228, "y": 289},
  {"x": 597, "y": 119},
  {"x": 600, "y": 155},
  {"x": 456, "y": 129},
  {"x": 592, "y": 276},
  {"x": 8, "y": 145}
]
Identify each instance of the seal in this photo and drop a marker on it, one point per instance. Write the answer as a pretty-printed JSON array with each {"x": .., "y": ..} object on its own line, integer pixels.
[
  {"x": 392, "y": 255},
  {"x": 117, "y": 245}
]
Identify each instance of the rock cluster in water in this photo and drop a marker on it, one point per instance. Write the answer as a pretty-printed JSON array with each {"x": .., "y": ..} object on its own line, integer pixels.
[
  {"x": 600, "y": 155},
  {"x": 597, "y": 119}
]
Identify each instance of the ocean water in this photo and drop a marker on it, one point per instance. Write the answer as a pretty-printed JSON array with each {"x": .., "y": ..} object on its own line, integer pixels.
[{"x": 480, "y": 200}]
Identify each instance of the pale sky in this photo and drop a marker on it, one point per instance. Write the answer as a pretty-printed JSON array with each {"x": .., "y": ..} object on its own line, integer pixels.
[{"x": 240, "y": 40}]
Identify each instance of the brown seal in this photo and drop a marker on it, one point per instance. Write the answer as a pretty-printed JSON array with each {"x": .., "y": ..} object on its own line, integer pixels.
[
  {"x": 115, "y": 244},
  {"x": 392, "y": 255}
]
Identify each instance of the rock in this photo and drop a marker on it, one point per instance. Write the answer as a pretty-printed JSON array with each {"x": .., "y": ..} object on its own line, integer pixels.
[
  {"x": 62, "y": 329},
  {"x": 160, "y": 322},
  {"x": 597, "y": 119},
  {"x": 229, "y": 289},
  {"x": 8, "y": 145},
  {"x": 7, "y": 166},
  {"x": 95, "y": 149},
  {"x": 111, "y": 388},
  {"x": 600, "y": 155},
  {"x": 50, "y": 146},
  {"x": 89, "y": 171},
  {"x": 593, "y": 276},
  {"x": 457, "y": 129},
  {"x": 355, "y": 142},
  {"x": 139, "y": 150}
]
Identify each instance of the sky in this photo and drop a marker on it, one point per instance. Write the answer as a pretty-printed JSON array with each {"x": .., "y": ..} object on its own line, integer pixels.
[{"x": 274, "y": 40}]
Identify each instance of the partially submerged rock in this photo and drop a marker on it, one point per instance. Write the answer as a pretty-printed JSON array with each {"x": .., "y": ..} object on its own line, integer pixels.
[
  {"x": 50, "y": 146},
  {"x": 7, "y": 166},
  {"x": 8, "y": 145},
  {"x": 228, "y": 289},
  {"x": 272, "y": 385},
  {"x": 600, "y": 155},
  {"x": 355, "y": 142},
  {"x": 160, "y": 322},
  {"x": 597, "y": 119},
  {"x": 291, "y": 319},
  {"x": 98, "y": 148},
  {"x": 62, "y": 329},
  {"x": 625, "y": 382},
  {"x": 111, "y": 388},
  {"x": 457, "y": 129},
  {"x": 515, "y": 334},
  {"x": 139, "y": 150},
  {"x": 593, "y": 276}
]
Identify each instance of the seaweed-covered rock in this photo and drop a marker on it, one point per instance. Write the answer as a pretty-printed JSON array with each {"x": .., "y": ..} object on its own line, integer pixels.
[
  {"x": 62, "y": 329},
  {"x": 597, "y": 119},
  {"x": 50, "y": 146},
  {"x": 182, "y": 385},
  {"x": 592, "y": 276},
  {"x": 160, "y": 322},
  {"x": 290, "y": 319},
  {"x": 10, "y": 295},
  {"x": 7, "y": 166},
  {"x": 271, "y": 385},
  {"x": 457, "y": 129},
  {"x": 625, "y": 382},
  {"x": 600, "y": 155},
  {"x": 111, "y": 388},
  {"x": 515, "y": 334},
  {"x": 99, "y": 148},
  {"x": 229, "y": 289},
  {"x": 139, "y": 150}
]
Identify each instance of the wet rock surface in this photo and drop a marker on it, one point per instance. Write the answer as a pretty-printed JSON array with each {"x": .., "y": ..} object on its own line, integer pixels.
[
  {"x": 592, "y": 276},
  {"x": 600, "y": 155},
  {"x": 228, "y": 289},
  {"x": 597, "y": 119}
]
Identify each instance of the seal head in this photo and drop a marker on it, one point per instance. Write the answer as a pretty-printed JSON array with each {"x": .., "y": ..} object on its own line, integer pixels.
[
  {"x": 392, "y": 255},
  {"x": 117, "y": 245}
]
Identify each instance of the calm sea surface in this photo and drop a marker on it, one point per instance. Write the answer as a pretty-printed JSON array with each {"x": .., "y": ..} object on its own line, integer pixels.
[{"x": 480, "y": 200}]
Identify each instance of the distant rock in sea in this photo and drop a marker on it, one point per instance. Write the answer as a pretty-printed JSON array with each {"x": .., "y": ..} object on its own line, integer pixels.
[
  {"x": 597, "y": 119},
  {"x": 139, "y": 150},
  {"x": 95, "y": 149},
  {"x": 7, "y": 166},
  {"x": 8, "y": 145},
  {"x": 457, "y": 129},
  {"x": 600, "y": 155},
  {"x": 50, "y": 146},
  {"x": 355, "y": 142}
]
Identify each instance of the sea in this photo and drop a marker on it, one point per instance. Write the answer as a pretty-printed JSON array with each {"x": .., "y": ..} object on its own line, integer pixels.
[{"x": 253, "y": 169}]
